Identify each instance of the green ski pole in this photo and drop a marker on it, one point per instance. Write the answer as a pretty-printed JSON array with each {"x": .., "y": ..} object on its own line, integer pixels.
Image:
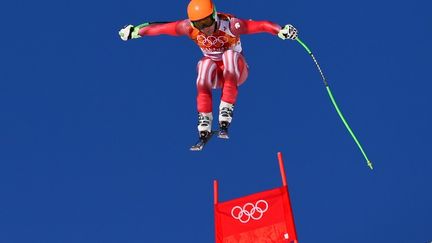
[{"x": 369, "y": 163}]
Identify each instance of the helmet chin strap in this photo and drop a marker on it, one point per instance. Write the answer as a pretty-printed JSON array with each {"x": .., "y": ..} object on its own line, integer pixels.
[
  {"x": 215, "y": 16},
  {"x": 216, "y": 25},
  {"x": 216, "y": 19}
]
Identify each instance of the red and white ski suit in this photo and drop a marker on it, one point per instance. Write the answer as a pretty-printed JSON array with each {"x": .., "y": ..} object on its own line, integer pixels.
[{"x": 223, "y": 65}]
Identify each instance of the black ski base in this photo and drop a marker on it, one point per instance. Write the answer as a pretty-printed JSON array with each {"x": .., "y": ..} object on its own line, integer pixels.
[
  {"x": 222, "y": 133},
  {"x": 202, "y": 142},
  {"x": 223, "y": 129}
]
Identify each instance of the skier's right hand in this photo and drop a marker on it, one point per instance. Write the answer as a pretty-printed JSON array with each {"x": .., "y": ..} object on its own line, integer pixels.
[{"x": 126, "y": 32}]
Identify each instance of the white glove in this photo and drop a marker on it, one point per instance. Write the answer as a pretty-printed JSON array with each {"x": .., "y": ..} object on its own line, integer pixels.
[
  {"x": 288, "y": 32},
  {"x": 126, "y": 32}
]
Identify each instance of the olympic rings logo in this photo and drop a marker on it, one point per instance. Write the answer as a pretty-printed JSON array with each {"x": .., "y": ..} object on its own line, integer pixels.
[
  {"x": 249, "y": 211},
  {"x": 212, "y": 41}
]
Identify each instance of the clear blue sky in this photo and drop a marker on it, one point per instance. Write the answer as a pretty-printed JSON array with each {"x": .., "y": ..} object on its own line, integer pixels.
[{"x": 94, "y": 132}]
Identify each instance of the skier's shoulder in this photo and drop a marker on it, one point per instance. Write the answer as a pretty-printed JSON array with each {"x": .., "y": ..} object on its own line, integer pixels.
[
  {"x": 228, "y": 20},
  {"x": 225, "y": 16},
  {"x": 185, "y": 24},
  {"x": 232, "y": 23},
  {"x": 185, "y": 27}
]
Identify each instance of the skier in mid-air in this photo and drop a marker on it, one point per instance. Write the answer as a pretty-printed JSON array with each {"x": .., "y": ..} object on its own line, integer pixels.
[{"x": 223, "y": 65}]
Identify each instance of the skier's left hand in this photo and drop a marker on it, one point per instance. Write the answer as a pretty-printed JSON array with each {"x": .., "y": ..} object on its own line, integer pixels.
[{"x": 288, "y": 32}]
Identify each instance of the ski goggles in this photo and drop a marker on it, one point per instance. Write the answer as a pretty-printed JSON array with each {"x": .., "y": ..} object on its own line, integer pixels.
[{"x": 204, "y": 23}]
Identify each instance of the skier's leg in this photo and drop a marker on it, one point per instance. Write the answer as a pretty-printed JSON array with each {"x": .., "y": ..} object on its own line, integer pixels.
[
  {"x": 235, "y": 73},
  {"x": 206, "y": 76}
]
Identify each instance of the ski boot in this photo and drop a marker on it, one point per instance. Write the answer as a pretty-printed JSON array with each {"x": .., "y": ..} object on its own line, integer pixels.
[
  {"x": 204, "y": 130},
  {"x": 225, "y": 117}
]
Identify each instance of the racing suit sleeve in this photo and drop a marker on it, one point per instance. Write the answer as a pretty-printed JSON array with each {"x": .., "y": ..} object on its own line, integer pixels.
[
  {"x": 176, "y": 28},
  {"x": 242, "y": 26}
]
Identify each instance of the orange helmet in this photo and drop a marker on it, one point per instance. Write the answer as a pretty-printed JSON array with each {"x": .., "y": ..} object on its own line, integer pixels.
[{"x": 200, "y": 9}]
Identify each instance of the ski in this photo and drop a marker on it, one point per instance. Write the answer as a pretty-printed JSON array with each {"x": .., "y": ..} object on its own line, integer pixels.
[
  {"x": 202, "y": 142},
  {"x": 223, "y": 133},
  {"x": 199, "y": 145},
  {"x": 223, "y": 128}
]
